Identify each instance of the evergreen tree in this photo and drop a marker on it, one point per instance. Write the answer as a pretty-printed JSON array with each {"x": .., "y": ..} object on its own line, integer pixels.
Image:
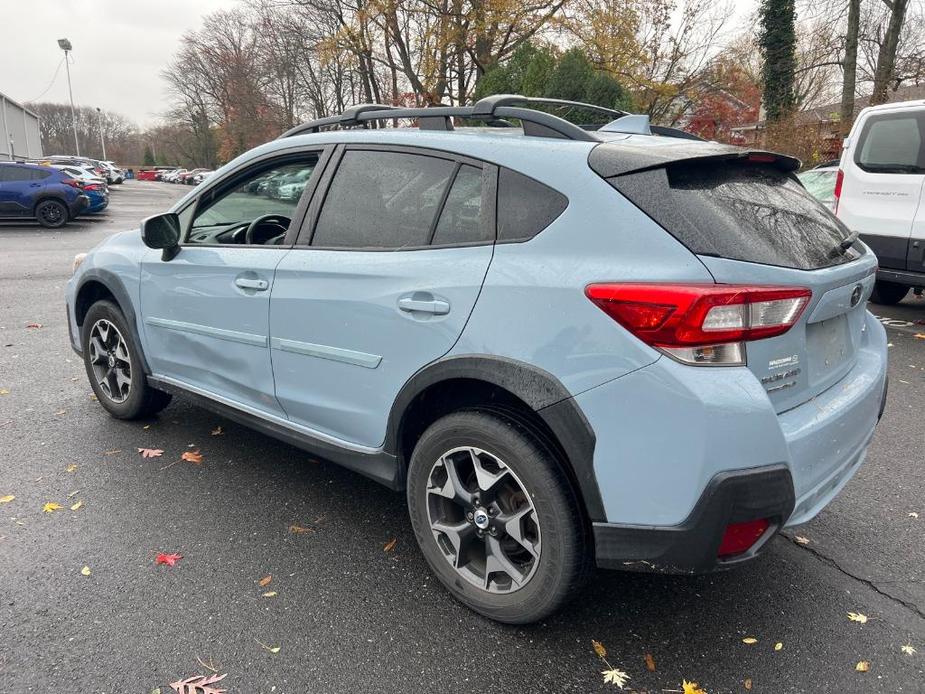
[
  {"x": 148, "y": 157},
  {"x": 778, "y": 42}
]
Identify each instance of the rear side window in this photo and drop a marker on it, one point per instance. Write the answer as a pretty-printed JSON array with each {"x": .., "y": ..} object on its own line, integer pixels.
[
  {"x": 461, "y": 218},
  {"x": 739, "y": 211},
  {"x": 382, "y": 200},
  {"x": 22, "y": 173},
  {"x": 525, "y": 206},
  {"x": 892, "y": 143}
]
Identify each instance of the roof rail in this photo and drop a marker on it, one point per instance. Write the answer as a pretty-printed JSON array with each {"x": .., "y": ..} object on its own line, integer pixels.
[{"x": 495, "y": 110}]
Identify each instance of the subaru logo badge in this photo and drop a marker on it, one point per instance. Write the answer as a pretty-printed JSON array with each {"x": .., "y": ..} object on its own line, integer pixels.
[{"x": 856, "y": 295}]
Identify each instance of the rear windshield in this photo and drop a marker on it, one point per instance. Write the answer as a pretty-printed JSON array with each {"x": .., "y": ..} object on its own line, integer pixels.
[{"x": 748, "y": 212}]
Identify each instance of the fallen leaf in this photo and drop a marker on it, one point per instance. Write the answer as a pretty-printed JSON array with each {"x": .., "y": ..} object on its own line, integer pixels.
[
  {"x": 7, "y": 499},
  {"x": 36, "y": 326},
  {"x": 119, "y": 450},
  {"x": 650, "y": 662},
  {"x": 272, "y": 649},
  {"x": 85, "y": 571},
  {"x": 51, "y": 506},
  {"x": 919, "y": 336},
  {"x": 913, "y": 514},
  {"x": 615, "y": 676},
  {"x": 145, "y": 452},
  {"x": 908, "y": 649},
  {"x": 390, "y": 545},
  {"x": 862, "y": 666},
  {"x": 778, "y": 646},
  {"x": 298, "y": 529},
  {"x": 4, "y": 391},
  {"x": 270, "y": 594},
  {"x": 748, "y": 683},
  {"x": 692, "y": 688},
  {"x": 73, "y": 494},
  {"x": 60, "y": 412},
  {"x": 857, "y": 617},
  {"x": 71, "y": 468},
  {"x": 77, "y": 505},
  {"x": 217, "y": 431},
  {"x": 599, "y": 649},
  {"x": 749, "y": 640},
  {"x": 192, "y": 457},
  {"x": 265, "y": 581},
  {"x": 800, "y": 540},
  {"x": 169, "y": 559},
  {"x": 198, "y": 684},
  {"x": 146, "y": 426}
]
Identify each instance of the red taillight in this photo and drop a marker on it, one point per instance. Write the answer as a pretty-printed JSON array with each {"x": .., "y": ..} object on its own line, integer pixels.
[
  {"x": 689, "y": 321},
  {"x": 839, "y": 179},
  {"x": 73, "y": 183},
  {"x": 739, "y": 537},
  {"x": 93, "y": 186}
]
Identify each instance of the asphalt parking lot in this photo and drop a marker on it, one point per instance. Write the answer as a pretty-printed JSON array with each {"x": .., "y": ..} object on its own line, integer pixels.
[{"x": 342, "y": 614}]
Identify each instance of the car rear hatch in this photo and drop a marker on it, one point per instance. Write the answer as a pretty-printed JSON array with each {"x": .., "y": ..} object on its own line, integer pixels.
[{"x": 752, "y": 223}]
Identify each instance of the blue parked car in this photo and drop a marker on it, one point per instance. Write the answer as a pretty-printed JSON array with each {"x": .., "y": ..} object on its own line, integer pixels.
[
  {"x": 98, "y": 196},
  {"x": 567, "y": 346},
  {"x": 47, "y": 195}
]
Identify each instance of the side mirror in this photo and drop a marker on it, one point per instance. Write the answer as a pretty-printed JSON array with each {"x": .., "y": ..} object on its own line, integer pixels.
[{"x": 162, "y": 231}]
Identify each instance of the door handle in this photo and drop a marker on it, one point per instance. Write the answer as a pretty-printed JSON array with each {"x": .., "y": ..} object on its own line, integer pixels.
[
  {"x": 248, "y": 283},
  {"x": 436, "y": 306}
]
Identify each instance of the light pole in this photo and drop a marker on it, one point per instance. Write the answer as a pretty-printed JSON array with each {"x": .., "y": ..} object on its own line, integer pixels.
[
  {"x": 65, "y": 46},
  {"x": 99, "y": 115}
]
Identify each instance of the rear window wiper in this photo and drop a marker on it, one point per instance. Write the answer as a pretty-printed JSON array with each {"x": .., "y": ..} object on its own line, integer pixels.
[{"x": 846, "y": 243}]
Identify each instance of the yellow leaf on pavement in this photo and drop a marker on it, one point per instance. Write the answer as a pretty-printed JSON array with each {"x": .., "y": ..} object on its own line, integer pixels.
[
  {"x": 615, "y": 676},
  {"x": 270, "y": 594},
  {"x": 908, "y": 649},
  {"x": 857, "y": 617},
  {"x": 390, "y": 545},
  {"x": 77, "y": 505},
  {"x": 862, "y": 666},
  {"x": 70, "y": 468},
  {"x": 4, "y": 391},
  {"x": 778, "y": 646},
  {"x": 748, "y": 683},
  {"x": 749, "y": 640},
  {"x": 599, "y": 649},
  {"x": 85, "y": 571},
  {"x": 217, "y": 431},
  {"x": 7, "y": 499},
  {"x": 800, "y": 540},
  {"x": 272, "y": 649},
  {"x": 51, "y": 506},
  {"x": 692, "y": 688}
]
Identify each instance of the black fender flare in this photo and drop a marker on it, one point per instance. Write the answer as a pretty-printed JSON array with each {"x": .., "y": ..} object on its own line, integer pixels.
[
  {"x": 539, "y": 389},
  {"x": 113, "y": 283}
]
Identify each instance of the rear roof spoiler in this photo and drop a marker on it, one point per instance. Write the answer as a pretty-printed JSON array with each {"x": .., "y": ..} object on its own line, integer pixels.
[{"x": 617, "y": 159}]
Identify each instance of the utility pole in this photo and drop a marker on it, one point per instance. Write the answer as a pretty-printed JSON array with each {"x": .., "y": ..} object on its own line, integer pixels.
[
  {"x": 99, "y": 115},
  {"x": 65, "y": 46}
]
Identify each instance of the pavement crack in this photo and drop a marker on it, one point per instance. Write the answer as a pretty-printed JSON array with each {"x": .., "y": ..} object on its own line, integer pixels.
[{"x": 866, "y": 581}]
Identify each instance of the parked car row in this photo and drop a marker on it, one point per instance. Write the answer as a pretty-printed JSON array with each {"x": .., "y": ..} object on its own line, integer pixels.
[
  {"x": 190, "y": 177},
  {"x": 107, "y": 170}
]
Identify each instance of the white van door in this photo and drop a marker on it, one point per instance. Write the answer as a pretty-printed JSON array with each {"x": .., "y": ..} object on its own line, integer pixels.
[{"x": 883, "y": 176}]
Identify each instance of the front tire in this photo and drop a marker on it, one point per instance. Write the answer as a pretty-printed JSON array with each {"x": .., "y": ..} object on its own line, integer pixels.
[
  {"x": 888, "y": 293},
  {"x": 113, "y": 363},
  {"x": 51, "y": 214},
  {"x": 496, "y": 517}
]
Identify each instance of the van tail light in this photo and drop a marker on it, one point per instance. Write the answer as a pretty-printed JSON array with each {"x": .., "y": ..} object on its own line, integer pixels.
[
  {"x": 839, "y": 179},
  {"x": 73, "y": 183},
  {"x": 703, "y": 324}
]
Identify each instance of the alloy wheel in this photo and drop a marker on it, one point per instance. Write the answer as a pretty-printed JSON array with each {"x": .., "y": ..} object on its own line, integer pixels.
[
  {"x": 51, "y": 213},
  {"x": 110, "y": 360},
  {"x": 483, "y": 520}
]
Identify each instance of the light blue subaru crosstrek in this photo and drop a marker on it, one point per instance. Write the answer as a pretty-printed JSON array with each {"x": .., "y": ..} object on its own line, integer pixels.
[{"x": 610, "y": 344}]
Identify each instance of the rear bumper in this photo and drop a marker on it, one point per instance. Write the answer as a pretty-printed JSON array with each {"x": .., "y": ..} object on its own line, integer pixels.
[
  {"x": 669, "y": 436},
  {"x": 691, "y": 547},
  {"x": 80, "y": 203}
]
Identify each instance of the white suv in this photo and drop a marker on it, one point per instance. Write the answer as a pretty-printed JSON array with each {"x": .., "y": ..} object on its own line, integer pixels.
[{"x": 879, "y": 193}]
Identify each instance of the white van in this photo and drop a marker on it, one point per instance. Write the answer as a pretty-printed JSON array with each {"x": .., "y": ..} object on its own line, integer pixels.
[{"x": 879, "y": 193}]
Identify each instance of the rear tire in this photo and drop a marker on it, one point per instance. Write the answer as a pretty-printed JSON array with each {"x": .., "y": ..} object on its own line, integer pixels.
[
  {"x": 888, "y": 293},
  {"x": 504, "y": 532},
  {"x": 51, "y": 214},
  {"x": 113, "y": 363}
]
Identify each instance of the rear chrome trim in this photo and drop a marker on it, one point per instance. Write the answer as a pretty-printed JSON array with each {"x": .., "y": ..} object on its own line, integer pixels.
[
  {"x": 347, "y": 356},
  {"x": 208, "y": 331}
]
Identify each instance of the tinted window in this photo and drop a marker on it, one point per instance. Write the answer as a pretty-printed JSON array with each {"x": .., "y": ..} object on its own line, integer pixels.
[
  {"x": 382, "y": 200},
  {"x": 525, "y": 206},
  {"x": 743, "y": 212},
  {"x": 22, "y": 173},
  {"x": 274, "y": 190},
  {"x": 461, "y": 218},
  {"x": 892, "y": 144}
]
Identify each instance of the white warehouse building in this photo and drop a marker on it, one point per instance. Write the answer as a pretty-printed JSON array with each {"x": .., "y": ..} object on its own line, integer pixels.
[{"x": 21, "y": 137}]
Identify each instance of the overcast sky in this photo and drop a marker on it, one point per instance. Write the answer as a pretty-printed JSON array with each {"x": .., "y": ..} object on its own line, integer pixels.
[{"x": 120, "y": 47}]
